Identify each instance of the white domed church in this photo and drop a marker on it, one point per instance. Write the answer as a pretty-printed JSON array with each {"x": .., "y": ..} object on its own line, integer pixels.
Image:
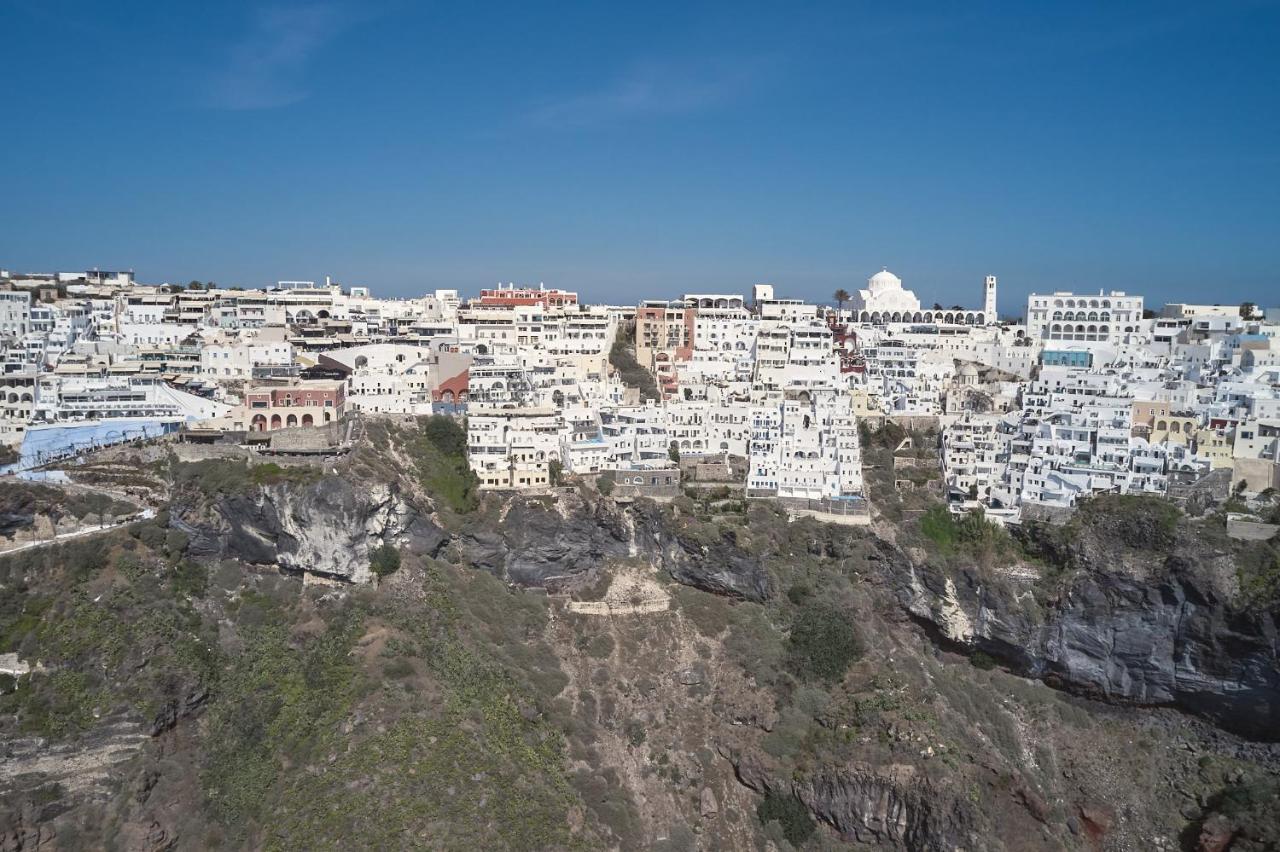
[
  {"x": 885, "y": 296},
  {"x": 886, "y": 301}
]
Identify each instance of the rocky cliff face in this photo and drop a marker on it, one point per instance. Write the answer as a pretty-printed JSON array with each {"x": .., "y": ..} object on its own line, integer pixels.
[
  {"x": 559, "y": 544},
  {"x": 887, "y": 807},
  {"x": 537, "y": 543},
  {"x": 1171, "y": 637},
  {"x": 327, "y": 527}
]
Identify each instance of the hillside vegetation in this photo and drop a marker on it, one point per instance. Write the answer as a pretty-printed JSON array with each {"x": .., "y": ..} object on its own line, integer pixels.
[{"x": 565, "y": 673}]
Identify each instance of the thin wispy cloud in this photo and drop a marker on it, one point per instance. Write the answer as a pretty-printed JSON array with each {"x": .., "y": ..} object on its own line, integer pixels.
[
  {"x": 268, "y": 66},
  {"x": 649, "y": 90}
]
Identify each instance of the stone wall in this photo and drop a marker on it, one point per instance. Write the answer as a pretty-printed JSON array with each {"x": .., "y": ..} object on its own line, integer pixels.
[{"x": 1248, "y": 529}]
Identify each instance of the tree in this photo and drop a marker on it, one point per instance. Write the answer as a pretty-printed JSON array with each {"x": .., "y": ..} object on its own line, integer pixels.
[
  {"x": 673, "y": 452},
  {"x": 194, "y": 285},
  {"x": 1247, "y": 309},
  {"x": 841, "y": 296}
]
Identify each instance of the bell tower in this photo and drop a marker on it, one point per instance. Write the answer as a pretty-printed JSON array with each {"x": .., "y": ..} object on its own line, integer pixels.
[{"x": 989, "y": 300}]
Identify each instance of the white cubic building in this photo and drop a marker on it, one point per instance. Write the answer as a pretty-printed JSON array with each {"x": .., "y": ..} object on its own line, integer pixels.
[{"x": 1102, "y": 318}]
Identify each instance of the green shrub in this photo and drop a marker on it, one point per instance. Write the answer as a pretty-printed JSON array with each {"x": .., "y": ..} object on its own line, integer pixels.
[
  {"x": 709, "y": 613},
  {"x": 446, "y": 435},
  {"x": 982, "y": 660},
  {"x": 191, "y": 579},
  {"x": 213, "y": 476},
  {"x": 823, "y": 642},
  {"x": 384, "y": 560},
  {"x": 439, "y": 453},
  {"x": 398, "y": 669},
  {"x": 799, "y": 593},
  {"x": 971, "y": 535},
  {"x": 797, "y": 825}
]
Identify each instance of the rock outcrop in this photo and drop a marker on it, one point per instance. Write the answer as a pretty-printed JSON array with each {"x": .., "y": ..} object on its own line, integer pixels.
[
  {"x": 719, "y": 566},
  {"x": 559, "y": 544},
  {"x": 554, "y": 545},
  {"x": 1170, "y": 638},
  {"x": 327, "y": 527},
  {"x": 887, "y": 806}
]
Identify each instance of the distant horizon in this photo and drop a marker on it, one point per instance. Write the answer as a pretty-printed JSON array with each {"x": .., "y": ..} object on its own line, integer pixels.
[{"x": 651, "y": 148}]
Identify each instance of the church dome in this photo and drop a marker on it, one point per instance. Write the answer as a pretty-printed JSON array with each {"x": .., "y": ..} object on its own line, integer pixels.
[{"x": 884, "y": 280}]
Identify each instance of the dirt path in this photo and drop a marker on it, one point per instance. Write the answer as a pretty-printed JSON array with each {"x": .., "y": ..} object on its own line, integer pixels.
[
  {"x": 633, "y": 592},
  {"x": 145, "y": 514}
]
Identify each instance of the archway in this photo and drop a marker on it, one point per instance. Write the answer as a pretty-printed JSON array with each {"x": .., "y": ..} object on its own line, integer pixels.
[{"x": 275, "y": 421}]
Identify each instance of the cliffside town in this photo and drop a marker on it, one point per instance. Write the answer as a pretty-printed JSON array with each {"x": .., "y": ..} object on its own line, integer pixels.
[
  {"x": 303, "y": 568},
  {"x": 1087, "y": 394}
]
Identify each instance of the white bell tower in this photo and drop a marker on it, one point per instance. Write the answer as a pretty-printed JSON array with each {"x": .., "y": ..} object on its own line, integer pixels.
[{"x": 989, "y": 300}]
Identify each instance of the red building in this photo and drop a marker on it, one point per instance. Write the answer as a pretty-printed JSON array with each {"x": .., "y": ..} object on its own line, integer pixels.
[
  {"x": 509, "y": 297},
  {"x": 298, "y": 402}
]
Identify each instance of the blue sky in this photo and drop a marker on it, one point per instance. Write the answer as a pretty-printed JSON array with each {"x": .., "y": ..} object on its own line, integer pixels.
[{"x": 638, "y": 150}]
